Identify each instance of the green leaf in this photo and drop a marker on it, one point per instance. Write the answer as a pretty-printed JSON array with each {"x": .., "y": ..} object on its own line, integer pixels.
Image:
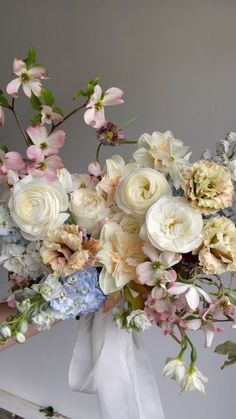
[
  {"x": 232, "y": 297},
  {"x": 58, "y": 110},
  {"x": 36, "y": 120},
  {"x": 1, "y": 92},
  {"x": 227, "y": 348},
  {"x": 35, "y": 102},
  {"x": 4, "y": 148},
  {"x": 80, "y": 93},
  {"x": 3, "y": 101},
  {"x": 31, "y": 57},
  {"x": 91, "y": 85},
  {"x": 47, "y": 97}
]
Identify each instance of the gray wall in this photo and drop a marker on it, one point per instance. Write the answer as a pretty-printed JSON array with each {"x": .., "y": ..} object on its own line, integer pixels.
[{"x": 176, "y": 61}]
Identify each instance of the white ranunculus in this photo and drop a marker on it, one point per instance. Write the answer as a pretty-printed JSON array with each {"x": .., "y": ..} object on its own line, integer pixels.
[
  {"x": 88, "y": 209},
  {"x": 172, "y": 224},
  {"x": 37, "y": 206},
  {"x": 140, "y": 189}
]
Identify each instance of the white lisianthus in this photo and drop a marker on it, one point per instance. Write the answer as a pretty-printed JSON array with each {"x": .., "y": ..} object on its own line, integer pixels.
[
  {"x": 88, "y": 209},
  {"x": 194, "y": 380},
  {"x": 172, "y": 224},
  {"x": 163, "y": 152},
  {"x": 138, "y": 320},
  {"x": 175, "y": 368},
  {"x": 140, "y": 189},
  {"x": 37, "y": 206}
]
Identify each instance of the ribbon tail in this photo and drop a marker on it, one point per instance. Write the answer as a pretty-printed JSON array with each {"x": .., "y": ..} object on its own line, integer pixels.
[{"x": 115, "y": 365}]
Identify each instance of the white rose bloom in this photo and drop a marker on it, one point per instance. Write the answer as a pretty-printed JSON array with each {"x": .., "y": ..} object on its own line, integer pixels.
[
  {"x": 37, "y": 206},
  {"x": 88, "y": 209},
  {"x": 128, "y": 223},
  {"x": 140, "y": 189},
  {"x": 172, "y": 224}
]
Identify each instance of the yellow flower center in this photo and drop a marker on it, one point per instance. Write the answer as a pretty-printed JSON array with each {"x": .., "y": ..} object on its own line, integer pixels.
[
  {"x": 99, "y": 105},
  {"x": 43, "y": 146},
  {"x": 25, "y": 77}
]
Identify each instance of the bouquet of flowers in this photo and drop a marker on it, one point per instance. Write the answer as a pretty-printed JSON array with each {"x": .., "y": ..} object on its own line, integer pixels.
[{"x": 147, "y": 240}]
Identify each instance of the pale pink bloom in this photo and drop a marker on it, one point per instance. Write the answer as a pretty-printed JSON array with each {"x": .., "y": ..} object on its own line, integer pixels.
[
  {"x": 48, "y": 115},
  {"x": 11, "y": 161},
  {"x": 29, "y": 78},
  {"x": 48, "y": 167},
  {"x": 44, "y": 145},
  {"x": 18, "y": 280},
  {"x": 2, "y": 116},
  {"x": 191, "y": 292},
  {"x": 94, "y": 114},
  {"x": 219, "y": 308},
  {"x": 94, "y": 169},
  {"x": 209, "y": 329},
  {"x": 156, "y": 269}
]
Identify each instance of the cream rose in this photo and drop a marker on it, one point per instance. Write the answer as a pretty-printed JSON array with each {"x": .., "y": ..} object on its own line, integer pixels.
[
  {"x": 88, "y": 209},
  {"x": 172, "y": 224},
  {"x": 140, "y": 189},
  {"x": 37, "y": 206}
]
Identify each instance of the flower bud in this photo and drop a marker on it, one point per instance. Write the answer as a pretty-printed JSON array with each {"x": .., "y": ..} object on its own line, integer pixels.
[
  {"x": 19, "y": 337},
  {"x": 5, "y": 332},
  {"x": 23, "y": 326}
]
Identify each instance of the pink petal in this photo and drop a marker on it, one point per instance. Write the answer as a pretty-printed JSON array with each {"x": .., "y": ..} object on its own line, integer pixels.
[
  {"x": 13, "y": 87},
  {"x": 38, "y": 72},
  {"x": 113, "y": 96},
  {"x": 14, "y": 161},
  {"x": 35, "y": 153},
  {"x": 95, "y": 97},
  {"x": 144, "y": 272},
  {"x": 151, "y": 252},
  {"x": 205, "y": 295},
  {"x": 37, "y": 134},
  {"x": 32, "y": 86},
  {"x": 170, "y": 258},
  {"x": 94, "y": 118},
  {"x": 18, "y": 66},
  {"x": 54, "y": 163},
  {"x": 56, "y": 139},
  {"x": 95, "y": 169},
  {"x": 178, "y": 288},
  {"x": 192, "y": 298}
]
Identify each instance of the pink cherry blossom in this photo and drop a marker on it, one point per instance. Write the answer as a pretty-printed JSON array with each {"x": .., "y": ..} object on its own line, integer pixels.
[
  {"x": 48, "y": 115},
  {"x": 94, "y": 114},
  {"x": 156, "y": 269},
  {"x": 28, "y": 78},
  {"x": 2, "y": 116},
  {"x": 47, "y": 167},
  {"x": 11, "y": 161},
  {"x": 191, "y": 292},
  {"x": 95, "y": 169},
  {"x": 44, "y": 145}
]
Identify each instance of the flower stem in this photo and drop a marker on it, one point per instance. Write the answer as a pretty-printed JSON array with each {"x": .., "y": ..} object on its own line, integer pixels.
[
  {"x": 193, "y": 351},
  {"x": 12, "y": 108},
  {"x": 68, "y": 116},
  {"x": 98, "y": 151}
]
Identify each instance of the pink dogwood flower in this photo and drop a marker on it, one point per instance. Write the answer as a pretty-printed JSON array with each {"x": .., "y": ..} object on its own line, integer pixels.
[
  {"x": 191, "y": 292},
  {"x": 28, "y": 78},
  {"x": 94, "y": 114},
  {"x": 2, "y": 116},
  {"x": 11, "y": 161},
  {"x": 48, "y": 115},
  {"x": 48, "y": 167},
  {"x": 156, "y": 269},
  {"x": 44, "y": 145}
]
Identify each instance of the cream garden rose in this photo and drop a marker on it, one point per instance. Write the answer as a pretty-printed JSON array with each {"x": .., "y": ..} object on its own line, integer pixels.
[
  {"x": 37, "y": 206},
  {"x": 140, "y": 189},
  {"x": 88, "y": 209},
  {"x": 172, "y": 224}
]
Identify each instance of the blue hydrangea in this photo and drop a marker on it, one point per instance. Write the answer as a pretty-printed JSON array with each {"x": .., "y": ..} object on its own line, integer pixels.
[{"x": 80, "y": 294}]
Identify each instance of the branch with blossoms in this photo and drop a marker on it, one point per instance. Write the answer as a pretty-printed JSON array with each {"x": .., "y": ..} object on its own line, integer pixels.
[{"x": 147, "y": 241}]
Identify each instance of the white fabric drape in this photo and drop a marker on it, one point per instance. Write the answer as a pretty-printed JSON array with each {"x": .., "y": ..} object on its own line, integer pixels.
[{"x": 113, "y": 363}]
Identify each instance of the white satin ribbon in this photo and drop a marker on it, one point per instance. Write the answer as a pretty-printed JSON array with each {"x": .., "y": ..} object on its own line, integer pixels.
[{"x": 113, "y": 363}]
